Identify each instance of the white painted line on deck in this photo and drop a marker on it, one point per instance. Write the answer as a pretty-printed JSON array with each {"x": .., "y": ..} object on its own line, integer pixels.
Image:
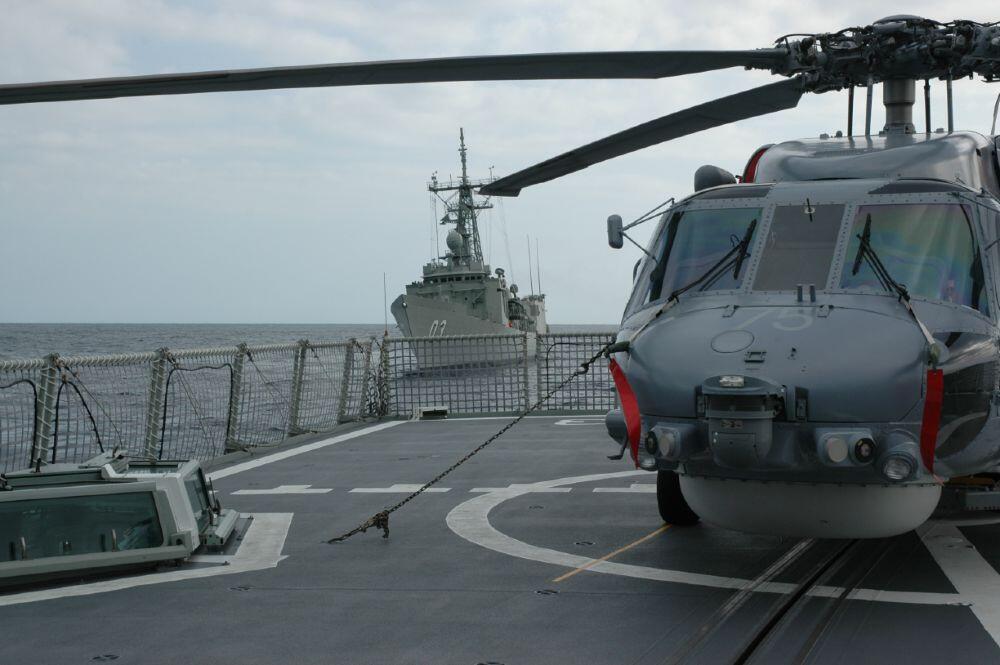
[
  {"x": 307, "y": 448},
  {"x": 286, "y": 489},
  {"x": 522, "y": 489},
  {"x": 260, "y": 549},
  {"x": 971, "y": 575},
  {"x": 469, "y": 418},
  {"x": 634, "y": 488},
  {"x": 399, "y": 488}
]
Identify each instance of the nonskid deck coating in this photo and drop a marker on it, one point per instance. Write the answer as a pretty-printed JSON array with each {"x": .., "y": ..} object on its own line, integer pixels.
[{"x": 430, "y": 595}]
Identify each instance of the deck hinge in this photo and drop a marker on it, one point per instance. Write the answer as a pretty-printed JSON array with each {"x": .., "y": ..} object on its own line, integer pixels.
[
  {"x": 730, "y": 310},
  {"x": 824, "y": 311}
]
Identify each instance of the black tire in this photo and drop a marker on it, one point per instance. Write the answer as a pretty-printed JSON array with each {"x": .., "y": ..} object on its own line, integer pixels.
[{"x": 673, "y": 508}]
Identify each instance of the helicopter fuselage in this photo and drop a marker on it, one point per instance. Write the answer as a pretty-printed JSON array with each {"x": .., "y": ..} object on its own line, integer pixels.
[{"x": 795, "y": 392}]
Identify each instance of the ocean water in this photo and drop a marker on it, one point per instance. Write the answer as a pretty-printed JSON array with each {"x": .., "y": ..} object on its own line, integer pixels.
[{"x": 34, "y": 340}]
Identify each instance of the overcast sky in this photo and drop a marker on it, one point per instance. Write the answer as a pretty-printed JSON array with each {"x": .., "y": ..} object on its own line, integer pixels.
[{"x": 288, "y": 206}]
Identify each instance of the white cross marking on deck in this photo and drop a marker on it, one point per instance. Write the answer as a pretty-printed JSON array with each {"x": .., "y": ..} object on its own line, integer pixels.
[
  {"x": 642, "y": 488},
  {"x": 972, "y": 576},
  {"x": 576, "y": 422},
  {"x": 396, "y": 489},
  {"x": 521, "y": 489},
  {"x": 287, "y": 489}
]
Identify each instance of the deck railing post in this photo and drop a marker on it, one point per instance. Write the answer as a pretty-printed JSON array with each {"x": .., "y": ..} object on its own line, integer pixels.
[
  {"x": 235, "y": 395},
  {"x": 298, "y": 372},
  {"x": 540, "y": 365},
  {"x": 345, "y": 382},
  {"x": 384, "y": 388},
  {"x": 45, "y": 410},
  {"x": 524, "y": 371},
  {"x": 155, "y": 405},
  {"x": 366, "y": 366}
]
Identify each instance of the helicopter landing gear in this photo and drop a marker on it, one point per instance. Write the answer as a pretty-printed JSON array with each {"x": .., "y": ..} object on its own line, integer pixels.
[{"x": 673, "y": 508}]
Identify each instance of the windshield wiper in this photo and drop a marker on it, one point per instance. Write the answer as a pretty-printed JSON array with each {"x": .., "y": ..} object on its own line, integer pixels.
[
  {"x": 867, "y": 253},
  {"x": 745, "y": 244},
  {"x": 865, "y": 238},
  {"x": 717, "y": 269}
]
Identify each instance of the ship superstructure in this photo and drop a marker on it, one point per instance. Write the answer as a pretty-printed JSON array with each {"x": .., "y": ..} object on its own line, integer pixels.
[{"x": 458, "y": 293}]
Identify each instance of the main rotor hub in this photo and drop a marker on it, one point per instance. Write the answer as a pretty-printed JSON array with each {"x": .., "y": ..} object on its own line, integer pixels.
[{"x": 894, "y": 48}]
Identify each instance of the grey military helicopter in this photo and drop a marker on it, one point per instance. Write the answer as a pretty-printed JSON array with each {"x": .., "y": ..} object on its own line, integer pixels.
[{"x": 811, "y": 348}]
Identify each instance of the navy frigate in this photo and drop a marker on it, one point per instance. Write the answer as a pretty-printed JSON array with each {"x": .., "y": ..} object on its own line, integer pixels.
[{"x": 458, "y": 293}]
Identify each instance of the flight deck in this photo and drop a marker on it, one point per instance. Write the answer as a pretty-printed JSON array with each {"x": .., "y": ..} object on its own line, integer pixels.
[{"x": 538, "y": 550}]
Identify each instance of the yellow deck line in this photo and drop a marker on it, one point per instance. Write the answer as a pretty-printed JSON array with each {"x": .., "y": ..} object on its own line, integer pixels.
[{"x": 618, "y": 551}]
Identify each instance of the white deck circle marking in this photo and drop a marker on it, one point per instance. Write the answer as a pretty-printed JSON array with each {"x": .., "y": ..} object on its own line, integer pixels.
[{"x": 470, "y": 520}]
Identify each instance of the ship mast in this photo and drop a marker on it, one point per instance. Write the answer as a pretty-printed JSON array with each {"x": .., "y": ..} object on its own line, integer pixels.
[{"x": 463, "y": 212}]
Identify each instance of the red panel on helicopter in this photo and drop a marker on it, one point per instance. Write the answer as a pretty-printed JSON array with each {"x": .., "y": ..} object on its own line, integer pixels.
[
  {"x": 630, "y": 408},
  {"x": 932, "y": 417}
]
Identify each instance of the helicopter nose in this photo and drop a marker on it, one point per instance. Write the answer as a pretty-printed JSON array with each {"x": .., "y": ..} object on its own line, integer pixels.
[{"x": 828, "y": 365}]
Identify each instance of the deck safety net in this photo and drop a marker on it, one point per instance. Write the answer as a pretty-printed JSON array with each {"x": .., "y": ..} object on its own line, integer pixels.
[{"x": 202, "y": 403}]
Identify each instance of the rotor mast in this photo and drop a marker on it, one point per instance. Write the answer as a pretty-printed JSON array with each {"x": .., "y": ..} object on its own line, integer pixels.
[{"x": 898, "y": 96}]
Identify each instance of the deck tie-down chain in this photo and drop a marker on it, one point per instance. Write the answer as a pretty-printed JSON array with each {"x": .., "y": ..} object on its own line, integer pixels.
[{"x": 380, "y": 520}]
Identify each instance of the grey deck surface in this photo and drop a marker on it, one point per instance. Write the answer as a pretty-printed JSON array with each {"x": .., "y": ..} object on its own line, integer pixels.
[{"x": 427, "y": 595}]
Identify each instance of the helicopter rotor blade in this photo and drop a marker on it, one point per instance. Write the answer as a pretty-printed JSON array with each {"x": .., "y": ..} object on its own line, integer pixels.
[
  {"x": 582, "y": 65},
  {"x": 747, "y": 104}
]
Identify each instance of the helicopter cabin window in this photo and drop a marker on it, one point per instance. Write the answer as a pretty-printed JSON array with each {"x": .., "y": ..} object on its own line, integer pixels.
[
  {"x": 799, "y": 247},
  {"x": 928, "y": 248},
  {"x": 701, "y": 251}
]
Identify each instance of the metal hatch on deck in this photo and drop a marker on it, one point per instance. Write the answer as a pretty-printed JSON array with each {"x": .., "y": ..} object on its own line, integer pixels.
[{"x": 105, "y": 514}]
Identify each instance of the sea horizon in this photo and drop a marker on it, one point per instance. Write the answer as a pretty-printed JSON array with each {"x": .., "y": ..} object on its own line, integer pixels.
[{"x": 35, "y": 340}]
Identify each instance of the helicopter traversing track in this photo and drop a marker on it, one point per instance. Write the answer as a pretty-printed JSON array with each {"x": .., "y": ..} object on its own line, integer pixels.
[{"x": 810, "y": 349}]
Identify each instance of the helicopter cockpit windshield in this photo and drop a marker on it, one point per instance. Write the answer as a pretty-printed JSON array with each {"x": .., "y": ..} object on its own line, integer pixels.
[
  {"x": 930, "y": 248},
  {"x": 798, "y": 248},
  {"x": 690, "y": 244}
]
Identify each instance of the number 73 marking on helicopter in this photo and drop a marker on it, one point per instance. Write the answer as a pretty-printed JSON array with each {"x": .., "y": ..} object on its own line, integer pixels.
[{"x": 787, "y": 319}]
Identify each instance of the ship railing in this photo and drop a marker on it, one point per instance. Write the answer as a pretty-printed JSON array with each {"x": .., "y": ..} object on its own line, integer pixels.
[
  {"x": 465, "y": 374},
  {"x": 175, "y": 404},
  {"x": 560, "y": 354}
]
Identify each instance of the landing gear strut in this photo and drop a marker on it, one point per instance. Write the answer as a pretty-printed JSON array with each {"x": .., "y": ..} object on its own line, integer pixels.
[{"x": 673, "y": 508}]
